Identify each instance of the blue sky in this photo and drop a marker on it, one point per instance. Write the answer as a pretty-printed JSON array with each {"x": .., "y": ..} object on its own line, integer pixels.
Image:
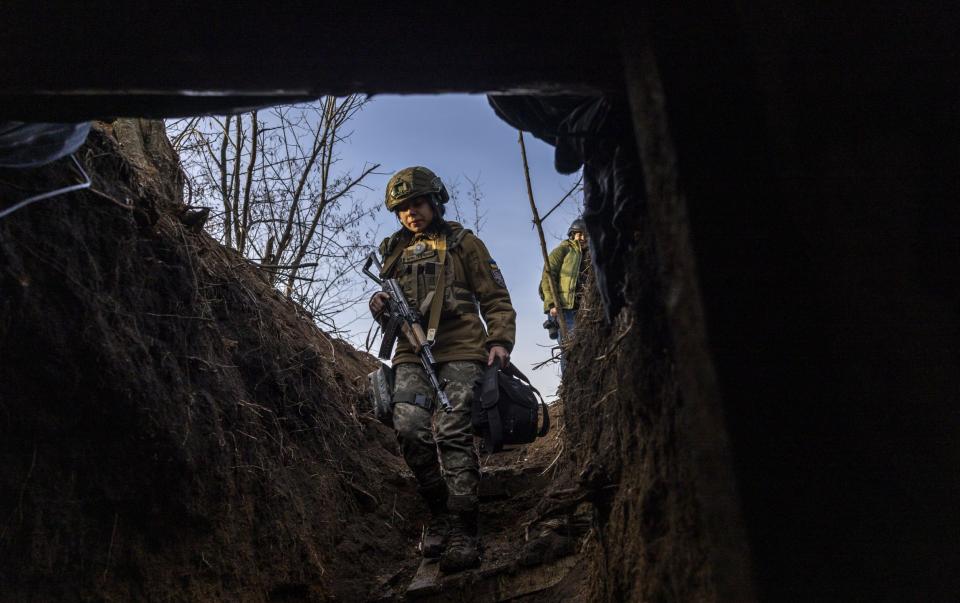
[{"x": 459, "y": 136}]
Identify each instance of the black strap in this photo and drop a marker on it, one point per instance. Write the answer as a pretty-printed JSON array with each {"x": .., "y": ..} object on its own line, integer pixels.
[
  {"x": 489, "y": 387},
  {"x": 545, "y": 427},
  {"x": 546, "y": 420},
  {"x": 409, "y": 397},
  {"x": 513, "y": 370},
  {"x": 495, "y": 429},
  {"x": 489, "y": 396}
]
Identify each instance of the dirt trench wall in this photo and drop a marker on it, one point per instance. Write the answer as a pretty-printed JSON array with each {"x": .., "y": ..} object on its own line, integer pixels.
[
  {"x": 170, "y": 426},
  {"x": 626, "y": 436},
  {"x": 781, "y": 421}
]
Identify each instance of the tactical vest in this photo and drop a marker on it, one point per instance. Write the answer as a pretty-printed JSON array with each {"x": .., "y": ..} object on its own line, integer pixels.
[{"x": 418, "y": 268}]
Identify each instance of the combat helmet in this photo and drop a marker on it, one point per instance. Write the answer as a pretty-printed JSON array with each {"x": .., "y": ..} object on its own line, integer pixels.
[
  {"x": 412, "y": 182},
  {"x": 578, "y": 225}
]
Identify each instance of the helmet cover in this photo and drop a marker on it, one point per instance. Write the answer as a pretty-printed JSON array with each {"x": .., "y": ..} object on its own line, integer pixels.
[{"x": 414, "y": 182}]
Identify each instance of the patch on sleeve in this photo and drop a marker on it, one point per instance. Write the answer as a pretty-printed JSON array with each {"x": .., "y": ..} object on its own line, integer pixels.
[{"x": 497, "y": 275}]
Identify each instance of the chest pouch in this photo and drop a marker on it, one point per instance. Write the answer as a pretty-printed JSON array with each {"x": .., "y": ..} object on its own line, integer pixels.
[
  {"x": 427, "y": 284},
  {"x": 417, "y": 274}
]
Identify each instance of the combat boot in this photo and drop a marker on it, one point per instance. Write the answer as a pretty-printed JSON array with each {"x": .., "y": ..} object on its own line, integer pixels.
[
  {"x": 435, "y": 532},
  {"x": 463, "y": 545},
  {"x": 435, "y": 536}
]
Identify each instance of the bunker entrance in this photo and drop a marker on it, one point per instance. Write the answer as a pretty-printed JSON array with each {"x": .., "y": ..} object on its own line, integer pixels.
[{"x": 778, "y": 206}]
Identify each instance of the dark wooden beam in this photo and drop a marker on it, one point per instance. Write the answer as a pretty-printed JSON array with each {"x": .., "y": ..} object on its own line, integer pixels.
[{"x": 167, "y": 60}]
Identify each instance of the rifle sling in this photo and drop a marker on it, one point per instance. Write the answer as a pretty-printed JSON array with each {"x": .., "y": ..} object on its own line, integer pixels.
[
  {"x": 436, "y": 304},
  {"x": 389, "y": 262}
]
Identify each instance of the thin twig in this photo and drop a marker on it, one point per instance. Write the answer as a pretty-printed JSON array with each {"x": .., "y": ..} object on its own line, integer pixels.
[
  {"x": 616, "y": 342},
  {"x": 106, "y": 197},
  {"x": 564, "y": 198},
  {"x": 557, "y": 458},
  {"x": 603, "y": 398}
]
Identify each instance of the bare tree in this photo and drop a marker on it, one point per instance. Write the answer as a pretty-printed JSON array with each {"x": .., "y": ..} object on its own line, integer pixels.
[
  {"x": 280, "y": 198},
  {"x": 467, "y": 203}
]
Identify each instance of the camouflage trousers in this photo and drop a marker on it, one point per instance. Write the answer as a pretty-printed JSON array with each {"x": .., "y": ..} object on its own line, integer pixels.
[{"x": 454, "y": 430}]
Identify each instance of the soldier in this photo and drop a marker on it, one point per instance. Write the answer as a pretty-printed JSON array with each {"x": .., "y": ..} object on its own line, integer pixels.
[
  {"x": 567, "y": 265},
  {"x": 431, "y": 257}
]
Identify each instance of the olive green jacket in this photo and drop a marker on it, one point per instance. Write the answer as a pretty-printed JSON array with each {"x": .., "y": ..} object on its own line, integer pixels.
[
  {"x": 474, "y": 288},
  {"x": 563, "y": 264}
]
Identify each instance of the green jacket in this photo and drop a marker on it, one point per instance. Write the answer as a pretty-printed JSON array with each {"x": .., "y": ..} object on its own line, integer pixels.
[
  {"x": 474, "y": 287},
  {"x": 563, "y": 264}
]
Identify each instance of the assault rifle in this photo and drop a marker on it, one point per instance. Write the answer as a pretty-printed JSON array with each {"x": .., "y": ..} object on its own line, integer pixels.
[{"x": 399, "y": 316}]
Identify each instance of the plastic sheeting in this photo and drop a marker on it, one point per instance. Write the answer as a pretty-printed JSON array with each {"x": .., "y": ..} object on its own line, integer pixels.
[
  {"x": 28, "y": 145},
  {"x": 595, "y": 133}
]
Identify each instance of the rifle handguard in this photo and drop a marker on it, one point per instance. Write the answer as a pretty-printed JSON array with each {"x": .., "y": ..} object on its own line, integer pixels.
[{"x": 415, "y": 336}]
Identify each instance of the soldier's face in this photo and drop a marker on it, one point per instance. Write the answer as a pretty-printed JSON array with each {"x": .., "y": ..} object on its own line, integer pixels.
[
  {"x": 415, "y": 214},
  {"x": 579, "y": 237}
]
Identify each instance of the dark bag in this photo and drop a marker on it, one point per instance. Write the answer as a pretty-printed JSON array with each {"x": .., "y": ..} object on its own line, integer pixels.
[
  {"x": 505, "y": 409},
  {"x": 381, "y": 393}
]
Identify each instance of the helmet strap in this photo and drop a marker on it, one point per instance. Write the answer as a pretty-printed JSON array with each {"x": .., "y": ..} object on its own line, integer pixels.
[{"x": 436, "y": 206}]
